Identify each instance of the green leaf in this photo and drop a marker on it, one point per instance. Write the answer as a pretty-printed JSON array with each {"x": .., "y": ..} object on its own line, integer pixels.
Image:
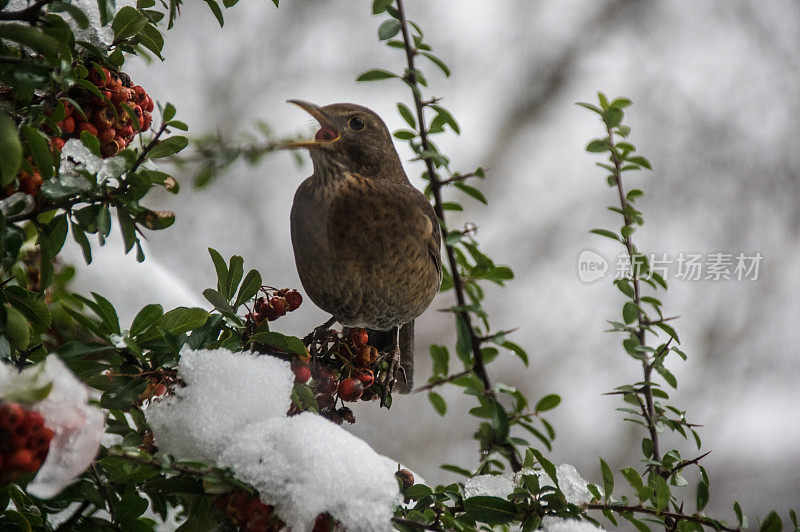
[
  {"x": 54, "y": 235},
  {"x": 606, "y": 233},
  {"x": 438, "y": 62},
  {"x": 107, "y": 312},
  {"x": 379, "y": 6},
  {"x": 630, "y": 312},
  {"x": 444, "y": 115},
  {"x": 214, "y": 6},
  {"x": 548, "y": 402},
  {"x": 441, "y": 359},
  {"x": 10, "y": 148},
  {"x": 376, "y": 74},
  {"x": 91, "y": 142},
  {"x": 168, "y": 113},
  {"x": 608, "y": 479},
  {"x": 249, "y": 288},
  {"x": 490, "y": 510},
  {"x": 40, "y": 150},
  {"x": 772, "y": 523},
  {"x": 281, "y": 342},
  {"x": 640, "y": 161},
  {"x": 597, "y": 146},
  {"x": 471, "y": 191},
  {"x": 177, "y": 321},
  {"x": 169, "y": 146},
  {"x": 669, "y": 330},
  {"x": 438, "y": 403},
  {"x": 146, "y": 317},
  {"x": 702, "y": 496},
  {"x": 388, "y": 29},
  {"x": 235, "y": 272},
  {"x": 28, "y": 303},
  {"x": 127, "y": 23},
  {"x": 633, "y": 478},
  {"x": 220, "y": 266},
  {"x": 407, "y": 115},
  {"x": 31, "y": 37},
  {"x": 661, "y": 493},
  {"x": 83, "y": 242}
]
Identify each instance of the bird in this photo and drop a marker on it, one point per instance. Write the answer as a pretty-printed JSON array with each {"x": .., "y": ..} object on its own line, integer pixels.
[{"x": 367, "y": 243}]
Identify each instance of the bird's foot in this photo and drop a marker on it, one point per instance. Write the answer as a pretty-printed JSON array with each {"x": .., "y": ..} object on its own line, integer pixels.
[{"x": 391, "y": 373}]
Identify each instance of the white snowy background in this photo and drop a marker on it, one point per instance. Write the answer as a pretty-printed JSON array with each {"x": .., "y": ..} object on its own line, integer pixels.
[{"x": 716, "y": 100}]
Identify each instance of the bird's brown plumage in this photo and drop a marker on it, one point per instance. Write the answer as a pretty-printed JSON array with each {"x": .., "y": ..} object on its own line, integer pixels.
[{"x": 366, "y": 242}]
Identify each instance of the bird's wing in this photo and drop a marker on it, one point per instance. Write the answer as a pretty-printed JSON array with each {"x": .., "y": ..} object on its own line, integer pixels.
[{"x": 373, "y": 218}]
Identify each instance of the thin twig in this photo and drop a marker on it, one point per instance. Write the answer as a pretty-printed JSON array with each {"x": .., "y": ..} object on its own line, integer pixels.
[
  {"x": 640, "y": 329},
  {"x": 445, "y": 380},
  {"x": 623, "y": 509},
  {"x": 29, "y": 14}
]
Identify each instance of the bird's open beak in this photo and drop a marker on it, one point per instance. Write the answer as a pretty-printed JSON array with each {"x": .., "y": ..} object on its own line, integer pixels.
[{"x": 327, "y": 134}]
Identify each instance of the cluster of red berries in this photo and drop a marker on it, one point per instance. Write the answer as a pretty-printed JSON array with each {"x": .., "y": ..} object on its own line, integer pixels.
[
  {"x": 274, "y": 304},
  {"x": 343, "y": 371},
  {"x": 24, "y": 441},
  {"x": 109, "y": 117},
  {"x": 248, "y": 513}
]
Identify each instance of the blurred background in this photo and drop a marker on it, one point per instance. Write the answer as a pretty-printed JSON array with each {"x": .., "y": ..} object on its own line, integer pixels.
[{"x": 715, "y": 87}]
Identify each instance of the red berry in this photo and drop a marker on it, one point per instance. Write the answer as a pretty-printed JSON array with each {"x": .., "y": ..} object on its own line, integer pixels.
[
  {"x": 57, "y": 143},
  {"x": 22, "y": 460},
  {"x": 406, "y": 478},
  {"x": 11, "y": 415},
  {"x": 106, "y": 134},
  {"x": 99, "y": 77},
  {"x": 359, "y": 337},
  {"x": 40, "y": 439},
  {"x": 30, "y": 183},
  {"x": 68, "y": 108},
  {"x": 119, "y": 95},
  {"x": 67, "y": 125},
  {"x": 34, "y": 420},
  {"x": 301, "y": 374},
  {"x": 279, "y": 304},
  {"x": 146, "y": 119},
  {"x": 140, "y": 96},
  {"x": 366, "y": 378},
  {"x": 125, "y": 132},
  {"x": 111, "y": 147},
  {"x": 103, "y": 117},
  {"x": 148, "y": 104},
  {"x": 350, "y": 389},
  {"x": 160, "y": 390},
  {"x": 293, "y": 299},
  {"x": 86, "y": 126}
]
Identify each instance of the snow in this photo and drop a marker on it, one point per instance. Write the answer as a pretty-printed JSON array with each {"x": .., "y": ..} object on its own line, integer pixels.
[
  {"x": 75, "y": 156},
  {"x": 232, "y": 413},
  {"x": 77, "y": 426},
  {"x": 556, "y": 524},
  {"x": 94, "y": 33},
  {"x": 572, "y": 485}
]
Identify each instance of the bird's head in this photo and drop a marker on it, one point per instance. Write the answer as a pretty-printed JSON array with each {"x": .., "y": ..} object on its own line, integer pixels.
[{"x": 351, "y": 138}]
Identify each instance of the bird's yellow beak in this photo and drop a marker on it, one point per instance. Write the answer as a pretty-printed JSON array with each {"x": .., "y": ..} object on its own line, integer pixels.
[{"x": 327, "y": 134}]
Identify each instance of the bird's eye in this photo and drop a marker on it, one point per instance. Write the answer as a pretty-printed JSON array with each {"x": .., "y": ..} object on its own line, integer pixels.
[{"x": 356, "y": 123}]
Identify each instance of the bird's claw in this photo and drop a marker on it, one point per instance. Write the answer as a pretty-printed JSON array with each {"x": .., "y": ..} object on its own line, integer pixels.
[{"x": 391, "y": 373}]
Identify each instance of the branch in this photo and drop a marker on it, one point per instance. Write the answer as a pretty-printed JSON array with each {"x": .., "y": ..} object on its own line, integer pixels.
[
  {"x": 436, "y": 187},
  {"x": 640, "y": 329},
  {"x": 451, "y": 378},
  {"x": 700, "y": 520},
  {"x": 29, "y": 14}
]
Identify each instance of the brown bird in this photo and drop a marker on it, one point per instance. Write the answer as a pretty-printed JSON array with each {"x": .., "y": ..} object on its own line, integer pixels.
[{"x": 366, "y": 242}]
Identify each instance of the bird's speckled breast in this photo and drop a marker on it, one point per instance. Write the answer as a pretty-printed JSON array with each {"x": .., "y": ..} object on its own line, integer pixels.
[{"x": 363, "y": 250}]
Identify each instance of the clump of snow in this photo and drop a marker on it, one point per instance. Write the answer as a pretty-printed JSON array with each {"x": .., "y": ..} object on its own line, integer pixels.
[
  {"x": 75, "y": 156},
  {"x": 492, "y": 485},
  {"x": 225, "y": 392},
  {"x": 556, "y": 524},
  {"x": 572, "y": 485},
  {"x": 77, "y": 427},
  {"x": 94, "y": 33},
  {"x": 232, "y": 413},
  {"x": 305, "y": 465}
]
